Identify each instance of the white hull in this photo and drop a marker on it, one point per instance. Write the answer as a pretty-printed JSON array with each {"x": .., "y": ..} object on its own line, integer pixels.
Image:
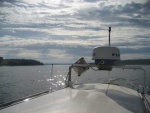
[{"x": 87, "y": 98}]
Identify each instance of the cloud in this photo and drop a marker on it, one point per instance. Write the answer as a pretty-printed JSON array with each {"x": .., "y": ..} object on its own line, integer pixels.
[
  {"x": 9, "y": 1},
  {"x": 130, "y": 14},
  {"x": 45, "y": 49},
  {"x": 65, "y": 30},
  {"x": 139, "y": 50},
  {"x": 95, "y": 0},
  {"x": 135, "y": 56},
  {"x": 34, "y": 54}
]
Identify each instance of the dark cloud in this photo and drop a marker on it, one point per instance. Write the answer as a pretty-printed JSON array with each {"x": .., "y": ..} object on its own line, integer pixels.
[
  {"x": 8, "y": 1},
  {"x": 142, "y": 36},
  {"x": 141, "y": 9},
  {"x": 11, "y": 1},
  {"x": 61, "y": 6},
  {"x": 142, "y": 50},
  {"x": 23, "y": 33},
  {"x": 136, "y": 14},
  {"x": 95, "y": 0},
  {"x": 140, "y": 43}
]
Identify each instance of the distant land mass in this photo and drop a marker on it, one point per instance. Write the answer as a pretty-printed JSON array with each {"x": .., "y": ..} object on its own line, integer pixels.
[
  {"x": 19, "y": 62},
  {"x": 134, "y": 62}
]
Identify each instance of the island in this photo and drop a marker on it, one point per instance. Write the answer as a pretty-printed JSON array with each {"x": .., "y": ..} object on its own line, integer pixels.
[
  {"x": 19, "y": 62},
  {"x": 133, "y": 62}
]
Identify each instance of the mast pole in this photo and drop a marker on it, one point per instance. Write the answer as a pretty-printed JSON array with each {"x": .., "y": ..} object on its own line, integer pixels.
[{"x": 109, "y": 35}]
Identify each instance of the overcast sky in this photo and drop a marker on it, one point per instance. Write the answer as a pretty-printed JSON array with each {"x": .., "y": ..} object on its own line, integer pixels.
[{"x": 62, "y": 31}]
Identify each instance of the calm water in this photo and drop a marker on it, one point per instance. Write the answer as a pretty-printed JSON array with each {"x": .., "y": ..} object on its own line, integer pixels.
[{"x": 21, "y": 81}]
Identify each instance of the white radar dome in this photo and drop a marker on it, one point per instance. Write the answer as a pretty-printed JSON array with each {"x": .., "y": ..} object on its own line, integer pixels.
[{"x": 105, "y": 55}]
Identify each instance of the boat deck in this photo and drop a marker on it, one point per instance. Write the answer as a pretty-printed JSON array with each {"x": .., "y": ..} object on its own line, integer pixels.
[{"x": 84, "y": 98}]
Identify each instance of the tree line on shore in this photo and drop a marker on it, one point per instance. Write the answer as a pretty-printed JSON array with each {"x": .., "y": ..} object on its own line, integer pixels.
[
  {"x": 18, "y": 62},
  {"x": 134, "y": 62}
]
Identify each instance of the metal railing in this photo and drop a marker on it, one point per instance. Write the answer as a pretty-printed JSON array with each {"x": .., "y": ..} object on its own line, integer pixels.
[{"x": 93, "y": 65}]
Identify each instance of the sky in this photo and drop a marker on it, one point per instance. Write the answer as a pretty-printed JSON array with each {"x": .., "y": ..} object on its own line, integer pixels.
[{"x": 62, "y": 31}]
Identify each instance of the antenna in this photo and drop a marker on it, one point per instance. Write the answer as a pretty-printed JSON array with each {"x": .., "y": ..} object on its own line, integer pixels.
[{"x": 109, "y": 35}]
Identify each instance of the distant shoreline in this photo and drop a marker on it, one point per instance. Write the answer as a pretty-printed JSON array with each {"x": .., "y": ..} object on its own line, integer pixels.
[
  {"x": 134, "y": 62},
  {"x": 19, "y": 62}
]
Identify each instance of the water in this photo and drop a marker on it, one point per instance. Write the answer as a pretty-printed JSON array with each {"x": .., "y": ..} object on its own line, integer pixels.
[{"x": 20, "y": 81}]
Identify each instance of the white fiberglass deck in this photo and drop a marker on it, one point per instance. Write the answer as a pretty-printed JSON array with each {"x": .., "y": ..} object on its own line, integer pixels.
[{"x": 87, "y": 98}]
